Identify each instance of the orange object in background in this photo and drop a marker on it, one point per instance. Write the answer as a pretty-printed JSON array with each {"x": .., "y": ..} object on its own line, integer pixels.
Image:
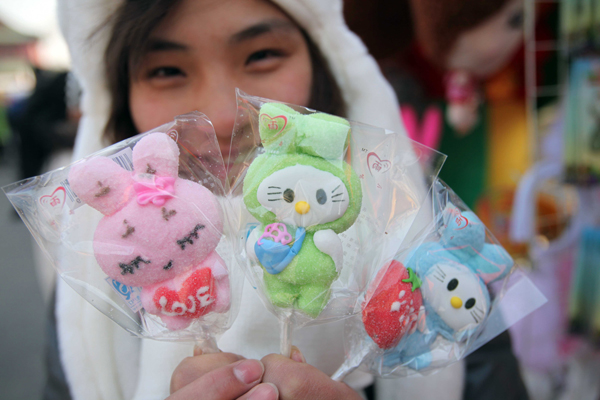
[{"x": 495, "y": 210}]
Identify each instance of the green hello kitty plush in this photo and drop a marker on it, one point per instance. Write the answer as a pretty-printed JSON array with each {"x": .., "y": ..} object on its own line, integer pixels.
[{"x": 303, "y": 194}]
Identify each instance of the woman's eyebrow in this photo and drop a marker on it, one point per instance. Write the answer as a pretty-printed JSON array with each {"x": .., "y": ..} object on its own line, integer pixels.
[
  {"x": 156, "y": 44},
  {"x": 260, "y": 29}
]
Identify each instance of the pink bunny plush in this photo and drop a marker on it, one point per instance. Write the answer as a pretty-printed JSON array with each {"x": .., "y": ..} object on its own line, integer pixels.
[{"x": 159, "y": 232}]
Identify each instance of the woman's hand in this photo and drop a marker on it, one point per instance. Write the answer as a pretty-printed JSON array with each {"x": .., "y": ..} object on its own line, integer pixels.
[
  {"x": 227, "y": 376},
  {"x": 297, "y": 380},
  {"x": 220, "y": 376}
]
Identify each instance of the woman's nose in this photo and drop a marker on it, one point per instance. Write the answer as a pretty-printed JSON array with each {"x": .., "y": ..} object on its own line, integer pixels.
[{"x": 219, "y": 104}]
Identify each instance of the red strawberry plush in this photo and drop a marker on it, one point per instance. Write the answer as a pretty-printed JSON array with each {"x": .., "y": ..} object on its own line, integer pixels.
[{"x": 392, "y": 305}]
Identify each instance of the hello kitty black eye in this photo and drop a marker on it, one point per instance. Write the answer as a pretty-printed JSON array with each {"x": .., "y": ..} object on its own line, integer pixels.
[
  {"x": 321, "y": 196},
  {"x": 470, "y": 303},
  {"x": 452, "y": 284},
  {"x": 288, "y": 195}
]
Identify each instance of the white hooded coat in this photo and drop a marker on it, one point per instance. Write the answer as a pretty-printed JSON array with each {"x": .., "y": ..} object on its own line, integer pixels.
[{"x": 101, "y": 360}]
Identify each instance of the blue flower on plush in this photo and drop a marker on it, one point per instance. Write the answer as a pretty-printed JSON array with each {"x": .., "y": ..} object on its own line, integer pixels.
[{"x": 455, "y": 272}]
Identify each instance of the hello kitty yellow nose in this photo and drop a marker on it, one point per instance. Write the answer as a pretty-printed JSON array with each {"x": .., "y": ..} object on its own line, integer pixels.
[
  {"x": 302, "y": 207},
  {"x": 456, "y": 302}
]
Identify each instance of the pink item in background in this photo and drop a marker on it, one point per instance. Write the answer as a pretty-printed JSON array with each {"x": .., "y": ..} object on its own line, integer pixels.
[
  {"x": 429, "y": 132},
  {"x": 165, "y": 242}
]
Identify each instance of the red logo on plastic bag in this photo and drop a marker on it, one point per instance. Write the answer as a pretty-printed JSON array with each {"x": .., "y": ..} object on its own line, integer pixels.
[
  {"x": 276, "y": 124},
  {"x": 54, "y": 201},
  {"x": 461, "y": 222},
  {"x": 377, "y": 164},
  {"x": 459, "y": 219}
]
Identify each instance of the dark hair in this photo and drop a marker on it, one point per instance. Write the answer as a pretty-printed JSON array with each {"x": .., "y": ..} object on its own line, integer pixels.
[
  {"x": 133, "y": 23},
  {"x": 439, "y": 23}
]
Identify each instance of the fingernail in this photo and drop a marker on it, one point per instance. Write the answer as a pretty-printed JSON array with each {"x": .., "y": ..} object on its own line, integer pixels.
[
  {"x": 248, "y": 371},
  {"x": 264, "y": 391},
  {"x": 297, "y": 355},
  {"x": 197, "y": 351}
]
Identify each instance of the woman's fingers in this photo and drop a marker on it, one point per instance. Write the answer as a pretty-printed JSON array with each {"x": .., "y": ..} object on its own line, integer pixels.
[
  {"x": 225, "y": 383},
  {"x": 300, "y": 381},
  {"x": 263, "y": 391},
  {"x": 192, "y": 368}
]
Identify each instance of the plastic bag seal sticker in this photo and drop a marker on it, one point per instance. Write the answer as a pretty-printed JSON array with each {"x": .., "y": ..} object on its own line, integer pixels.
[{"x": 129, "y": 294}]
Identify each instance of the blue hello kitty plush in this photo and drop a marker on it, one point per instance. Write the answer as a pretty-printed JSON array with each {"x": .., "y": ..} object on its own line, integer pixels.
[{"x": 455, "y": 272}]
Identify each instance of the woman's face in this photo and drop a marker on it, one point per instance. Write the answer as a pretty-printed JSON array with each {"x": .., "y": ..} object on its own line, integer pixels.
[{"x": 204, "y": 49}]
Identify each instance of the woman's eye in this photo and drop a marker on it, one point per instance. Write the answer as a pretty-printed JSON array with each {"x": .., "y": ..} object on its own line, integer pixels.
[
  {"x": 515, "y": 21},
  {"x": 262, "y": 55},
  {"x": 288, "y": 195},
  {"x": 452, "y": 284},
  {"x": 321, "y": 196},
  {"x": 166, "y": 72}
]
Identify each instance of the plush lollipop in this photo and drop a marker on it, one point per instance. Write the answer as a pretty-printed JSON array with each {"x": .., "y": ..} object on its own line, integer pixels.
[
  {"x": 303, "y": 194},
  {"x": 455, "y": 272},
  {"x": 390, "y": 311},
  {"x": 159, "y": 232}
]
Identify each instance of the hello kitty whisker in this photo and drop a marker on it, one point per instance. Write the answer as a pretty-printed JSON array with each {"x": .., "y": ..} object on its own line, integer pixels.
[
  {"x": 442, "y": 273},
  {"x": 274, "y": 199},
  {"x": 275, "y": 193},
  {"x": 474, "y": 317},
  {"x": 337, "y": 187},
  {"x": 337, "y": 201},
  {"x": 273, "y": 187},
  {"x": 339, "y": 194}
]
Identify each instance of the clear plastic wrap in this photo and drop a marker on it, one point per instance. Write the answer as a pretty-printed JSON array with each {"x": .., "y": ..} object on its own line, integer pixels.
[
  {"x": 450, "y": 289},
  {"x": 320, "y": 202},
  {"x": 139, "y": 230}
]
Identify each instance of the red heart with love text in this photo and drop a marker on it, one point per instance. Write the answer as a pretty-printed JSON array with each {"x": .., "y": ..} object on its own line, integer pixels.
[{"x": 195, "y": 298}]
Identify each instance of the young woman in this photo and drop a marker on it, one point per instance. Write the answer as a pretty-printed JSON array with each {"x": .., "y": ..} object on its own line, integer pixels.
[{"x": 140, "y": 64}]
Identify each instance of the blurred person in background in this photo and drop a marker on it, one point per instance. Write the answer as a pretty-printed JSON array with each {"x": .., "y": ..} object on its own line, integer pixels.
[{"x": 45, "y": 123}]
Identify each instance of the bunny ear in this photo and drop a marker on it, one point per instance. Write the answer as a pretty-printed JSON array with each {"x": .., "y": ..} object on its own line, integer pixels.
[
  {"x": 156, "y": 154},
  {"x": 102, "y": 184},
  {"x": 494, "y": 263},
  {"x": 323, "y": 135}
]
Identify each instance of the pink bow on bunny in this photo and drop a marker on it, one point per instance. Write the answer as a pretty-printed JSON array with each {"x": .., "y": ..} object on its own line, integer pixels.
[{"x": 157, "y": 191}]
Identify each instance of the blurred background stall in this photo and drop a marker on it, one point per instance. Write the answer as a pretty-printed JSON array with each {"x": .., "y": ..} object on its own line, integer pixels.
[{"x": 38, "y": 121}]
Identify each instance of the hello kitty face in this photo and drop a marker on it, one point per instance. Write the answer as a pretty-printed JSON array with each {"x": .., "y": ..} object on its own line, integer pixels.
[
  {"x": 304, "y": 196},
  {"x": 456, "y": 294}
]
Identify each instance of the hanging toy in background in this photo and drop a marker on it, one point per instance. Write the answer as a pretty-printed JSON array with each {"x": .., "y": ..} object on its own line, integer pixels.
[
  {"x": 471, "y": 40},
  {"x": 392, "y": 305},
  {"x": 159, "y": 232},
  {"x": 303, "y": 194},
  {"x": 463, "y": 100},
  {"x": 455, "y": 271}
]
